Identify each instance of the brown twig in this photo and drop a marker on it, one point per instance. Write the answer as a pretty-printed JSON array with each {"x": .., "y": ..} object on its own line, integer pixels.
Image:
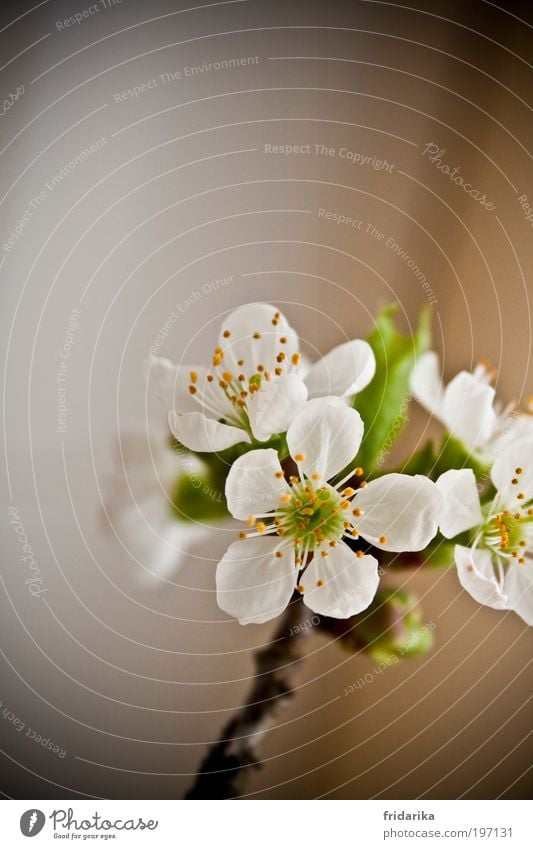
[{"x": 227, "y": 765}]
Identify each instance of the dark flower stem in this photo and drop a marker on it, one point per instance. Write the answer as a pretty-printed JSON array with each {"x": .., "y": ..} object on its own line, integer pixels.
[{"x": 228, "y": 763}]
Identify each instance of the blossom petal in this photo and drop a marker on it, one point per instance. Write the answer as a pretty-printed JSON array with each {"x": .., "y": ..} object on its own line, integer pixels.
[
  {"x": 255, "y": 484},
  {"x": 341, "y": 584},
  {"x": 171, "y": 384},
  {"x": 254, "y": 340},
  {"x": 345, "y": 370},
  {"x": 252, "y": 583},
  {"x": 518, "y": 586},
  {"x": 460, "y": 507},
  {"x": 476, "y": 575},
  {"x": 400, "y": 512},
  {"x": 426, "y": 384},
  {"x": 199, "y": 433},
  {"x": 327, "y": 434},
  {"x": 517, "y": 455},
  {"x": 274, "y": 406},
  {"x": 467, "y": 409}
]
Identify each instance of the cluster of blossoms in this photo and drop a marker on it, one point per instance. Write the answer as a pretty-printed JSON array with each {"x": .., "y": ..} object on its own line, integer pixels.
[{"x": 313, "y": 523}]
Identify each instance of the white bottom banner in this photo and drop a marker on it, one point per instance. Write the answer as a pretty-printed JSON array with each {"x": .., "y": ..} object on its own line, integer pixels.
[{"x": 264, "y": 824}]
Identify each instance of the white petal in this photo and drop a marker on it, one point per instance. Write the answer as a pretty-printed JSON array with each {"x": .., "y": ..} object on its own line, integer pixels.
[
  {"x": 171, "y": 384},
  {"x": 252, "y": 583},
  {"x": 274, "y": 406},
  {"x": 328, "y": 434},
  {"x": 241, "y": 345},
  {"x": 345, "y": 370},
  {"x": 460, "y": 508},
  {"x": 252, "y": 487},
  {"x": 517, "y": 455},
  {"x": 198, "y": 433},
  {"x": 350, "y": 582},
  {"x": 518, "y": 586},
  {"x": 166, "y": 546},
  {"x": 402, "y": 508},
  {"x": 426, "y": 384},
  {"x": 476, "y": 574},
  {"x": 467, "y": 409},
  {"x": 517, "y": 426}
]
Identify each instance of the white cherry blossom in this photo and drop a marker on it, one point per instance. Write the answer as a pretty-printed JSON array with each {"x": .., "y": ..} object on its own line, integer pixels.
[
  {"x": 496, "y": 568},
  {"x": 296, "y": 525},
  {"x": 256, "y": 381},
  {"x": 467, "y": 406}
]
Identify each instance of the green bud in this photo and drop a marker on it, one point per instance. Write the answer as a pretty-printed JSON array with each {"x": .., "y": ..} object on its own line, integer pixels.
[{"x": 391, "y": 628}]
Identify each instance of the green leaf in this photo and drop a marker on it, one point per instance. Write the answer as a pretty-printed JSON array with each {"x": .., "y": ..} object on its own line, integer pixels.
[
  {"x": 453, "y": 454},
  {"x": 199, "y": 493},
  {"x": 384, "y": 403}
]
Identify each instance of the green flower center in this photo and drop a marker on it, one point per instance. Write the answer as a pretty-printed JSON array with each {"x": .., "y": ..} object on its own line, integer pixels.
[{"x": 312, "y": 515}]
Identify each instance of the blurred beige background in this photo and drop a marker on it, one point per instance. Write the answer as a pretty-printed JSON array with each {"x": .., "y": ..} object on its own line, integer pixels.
[{"x": 132, "y": 679}]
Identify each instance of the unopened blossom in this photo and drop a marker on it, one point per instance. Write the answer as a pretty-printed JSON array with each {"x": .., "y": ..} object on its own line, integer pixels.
[
  {"x": 467, "y": 406},
  {"x": 496, "y": 567},
  {"x": 296, "y": 526},
  {"x": 255, "y": 383}
]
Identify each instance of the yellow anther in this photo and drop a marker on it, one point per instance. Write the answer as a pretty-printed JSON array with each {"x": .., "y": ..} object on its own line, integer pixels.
[
  {"x": 320, "y": 583},
  {"x": 217, "y": 359},
  {"x": 348, "y": 491},
  {"x": 299, "y": 457},
  {"x": 278, "y": 371},
  {"x": 243, "y": 535},
  {"x": 193, "y": 390},
  {"x": 283, "y": 340},
  {"x": 286, "y": 499},
  {"x": 222, "y": 384},
  {"x": 250, "y": 521},
  {"x": 333, "y": 543},
  {"x": 359, "y": 553},
  {"x": 300, "y": 587},
  {"x": 194, "y": 377},
  {"x": 344, "y": 505},
  {"x": 324, "y": 553},
  {"x": 521, "y": 496},
  {"x": 357, "y": 512},
  {"x": 295, "y": 359},
  {"x": 359, "y": 471},
  {"x": 279, "y": 554},
  {"x": 315, "y": 476},
  {"x": 383, "y": 539},
  {"x": 363, "y": 484},
  {"x": 308, "y": 511},
  {"x": 227, "y": 375},
  {"x": 278, "y": 474},
  {"x": 294, "y": 480},
  {"x": 261, "y": 527}
]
